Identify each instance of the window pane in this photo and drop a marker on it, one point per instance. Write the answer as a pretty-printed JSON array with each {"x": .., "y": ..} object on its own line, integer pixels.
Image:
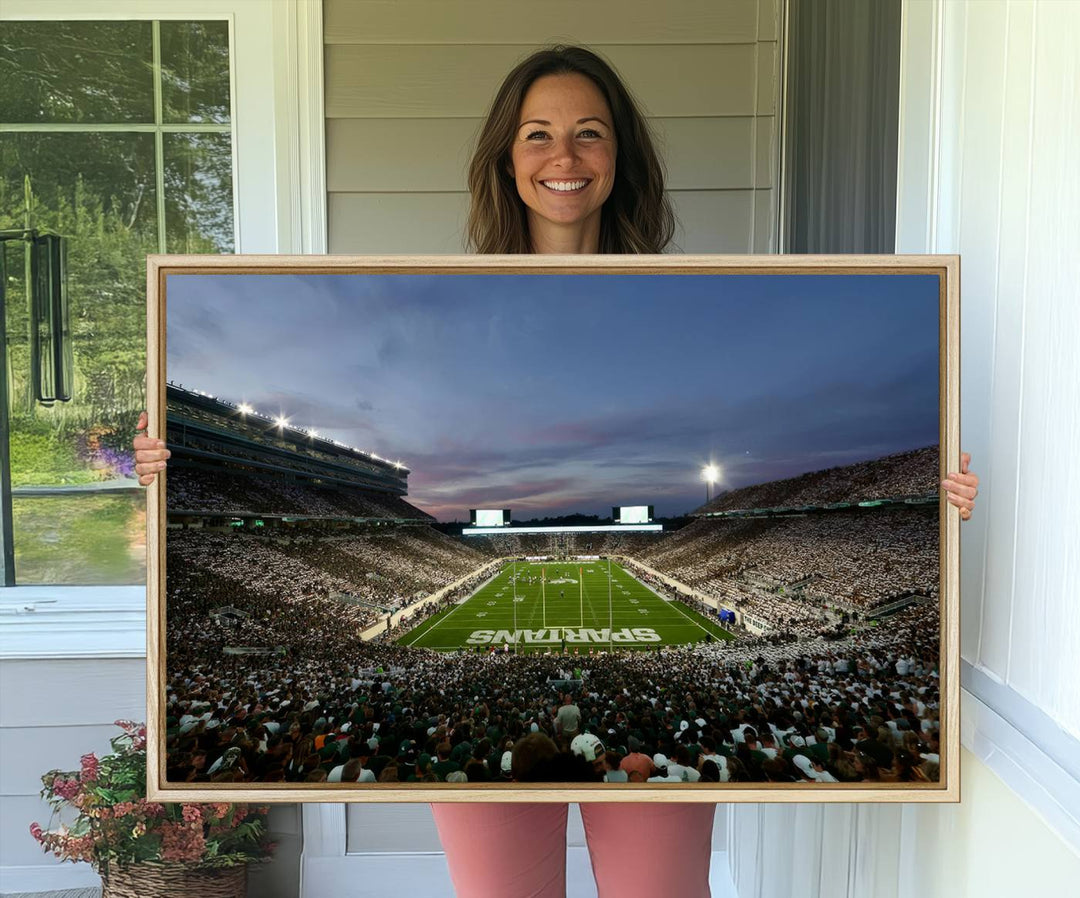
[
  {"x": 98, "y": 191},
  {"x": 198, "y": 193},
  {"x": 78, "y": 514},
  {"x": 76, "y": 72},
  {"x": 82, "y": 539},
  {"x": 195, "y": 71},
  {"x": 112, "y": 174}
]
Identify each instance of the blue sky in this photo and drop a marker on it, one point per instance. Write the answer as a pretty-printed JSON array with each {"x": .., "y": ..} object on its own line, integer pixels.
[{"x": 551, "y": 394}]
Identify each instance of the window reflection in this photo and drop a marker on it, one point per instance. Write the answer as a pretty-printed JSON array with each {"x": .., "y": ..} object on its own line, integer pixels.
[{"x": 127, "y": 181}]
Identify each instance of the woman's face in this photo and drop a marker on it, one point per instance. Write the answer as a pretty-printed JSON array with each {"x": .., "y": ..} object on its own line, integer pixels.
[{"x": 563, "y": 154}]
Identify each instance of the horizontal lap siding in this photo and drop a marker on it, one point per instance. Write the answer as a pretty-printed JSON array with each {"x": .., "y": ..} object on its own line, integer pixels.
[
  {"x": 51, "y": 713},
  {"x": 478, "y": 22},
  {"x": 460, "y": 81},
  {"x": 408, "y": 83}
]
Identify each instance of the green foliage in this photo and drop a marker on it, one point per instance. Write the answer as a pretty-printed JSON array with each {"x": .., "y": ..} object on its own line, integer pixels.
[
  {"x": 81, "y": 539},
  {"x": 41, "y": 458},
  {"x": 99, "y": 190},
  {"x": 76, "y": 71},
  {"x": 106, "y": 276}
]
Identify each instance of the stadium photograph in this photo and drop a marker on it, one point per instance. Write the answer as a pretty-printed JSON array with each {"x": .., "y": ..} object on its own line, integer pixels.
[{"x": 498, "y": 529}]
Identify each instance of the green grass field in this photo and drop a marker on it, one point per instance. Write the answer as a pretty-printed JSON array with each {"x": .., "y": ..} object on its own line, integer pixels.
[{"x": 563, "y": 603}]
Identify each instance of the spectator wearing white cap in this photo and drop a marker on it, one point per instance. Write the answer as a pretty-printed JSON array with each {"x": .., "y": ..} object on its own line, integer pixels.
[
  {"x": 589, "y": 747},
  {"x": 660, "y": 762}
]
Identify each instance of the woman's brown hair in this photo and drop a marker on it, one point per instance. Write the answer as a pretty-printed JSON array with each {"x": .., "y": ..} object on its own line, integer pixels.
[{"x": 637, "y": 216}]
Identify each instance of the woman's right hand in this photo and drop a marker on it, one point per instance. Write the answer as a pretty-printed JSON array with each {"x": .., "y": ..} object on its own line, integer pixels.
[{"x": 150, "y": 454}]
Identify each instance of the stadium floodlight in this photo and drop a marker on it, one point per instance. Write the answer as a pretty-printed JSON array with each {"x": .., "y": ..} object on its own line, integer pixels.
[
  {"x": 245, "y": 409},
  {"x": 710, "y": 474},
  {"x": 313, "y": 433},
  {"x": 281, "y": 421}
]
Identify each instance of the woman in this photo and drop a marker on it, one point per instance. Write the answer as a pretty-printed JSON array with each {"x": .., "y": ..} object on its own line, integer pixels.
[{"x": 565, "y": 164}]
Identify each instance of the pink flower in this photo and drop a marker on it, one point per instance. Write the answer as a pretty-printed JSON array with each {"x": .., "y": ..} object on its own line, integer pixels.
[
  {"x": 36, "y": 832},
  {"x": 150, "y": 808},
  {"x": 181, "y": 842},
  {"x": 79, "y": 848},
  {"x": 192, "y": 814},
  {"x": 89, "y": 768},
  {"x": 65, "y": 788}
]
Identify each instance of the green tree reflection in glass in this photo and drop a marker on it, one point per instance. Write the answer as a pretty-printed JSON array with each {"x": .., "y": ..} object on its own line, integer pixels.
[
  {"x": 195, "y": 72},
  {"x": 76, "y": 72},
  {"x": 96, "y": 184}
]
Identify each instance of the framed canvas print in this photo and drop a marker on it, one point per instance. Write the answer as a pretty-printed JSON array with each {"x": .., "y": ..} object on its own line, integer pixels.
[{"x": 542, "y": 528}]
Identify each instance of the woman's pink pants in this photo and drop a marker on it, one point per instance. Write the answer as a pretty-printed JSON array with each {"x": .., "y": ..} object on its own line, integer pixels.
[{"x": 638, "y": 850}]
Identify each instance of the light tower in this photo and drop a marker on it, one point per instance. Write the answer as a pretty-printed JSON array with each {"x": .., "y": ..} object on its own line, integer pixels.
[{"x": 710, "y": 474}]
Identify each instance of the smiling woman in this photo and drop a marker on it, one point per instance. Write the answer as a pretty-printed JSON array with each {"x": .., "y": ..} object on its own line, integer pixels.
[
  {"x": 563, "y": 162},
  {"x": 561, "y": 117}
]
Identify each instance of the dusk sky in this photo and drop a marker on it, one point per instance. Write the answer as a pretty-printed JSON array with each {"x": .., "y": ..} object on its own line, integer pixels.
[{"x": 552, "y": 394}]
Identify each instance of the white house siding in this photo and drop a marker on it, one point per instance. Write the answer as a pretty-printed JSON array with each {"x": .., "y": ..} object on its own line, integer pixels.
[{"x": 408, "y": 83}]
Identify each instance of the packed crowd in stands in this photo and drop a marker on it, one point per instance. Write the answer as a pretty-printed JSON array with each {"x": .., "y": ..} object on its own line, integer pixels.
[
  {"x": 355, "y": 577},
  {"x": 906, "y": 474},
  {"x": 859, "y": 559},
  {"x": 314, "y": 703},
  {"x": 419, "y": 612}
]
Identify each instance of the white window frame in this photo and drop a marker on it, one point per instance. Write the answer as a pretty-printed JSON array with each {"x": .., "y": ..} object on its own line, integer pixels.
[{"x": 279, "y": 204}]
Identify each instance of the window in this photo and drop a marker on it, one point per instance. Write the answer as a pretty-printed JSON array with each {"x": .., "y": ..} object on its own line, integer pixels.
[{"x": 118, "y": 136}]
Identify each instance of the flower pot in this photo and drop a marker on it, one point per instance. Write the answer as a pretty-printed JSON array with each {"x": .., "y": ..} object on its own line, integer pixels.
[{"x": 174, "y": 881}]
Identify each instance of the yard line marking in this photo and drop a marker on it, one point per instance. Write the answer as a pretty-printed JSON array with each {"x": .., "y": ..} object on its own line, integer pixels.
[
  {"x": 675, "y": 605},
  {"x": 436, "y": 626}
]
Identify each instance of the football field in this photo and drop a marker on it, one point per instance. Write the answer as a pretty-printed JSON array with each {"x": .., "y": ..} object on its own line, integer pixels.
[{"x": 563, "y": 605}]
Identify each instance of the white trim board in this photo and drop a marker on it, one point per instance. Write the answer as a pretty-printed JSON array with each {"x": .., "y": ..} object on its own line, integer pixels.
[
  {"x": 1048, "y": 788},
  {"x": 41, "y": 622},
  {"x": 301, "y": 131},
  {"x": 378, "y": 875},
  {"x": 52, "y": 877}
]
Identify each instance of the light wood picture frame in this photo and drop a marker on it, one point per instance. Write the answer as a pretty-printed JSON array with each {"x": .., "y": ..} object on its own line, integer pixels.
[{"x": 854, "y": 334}]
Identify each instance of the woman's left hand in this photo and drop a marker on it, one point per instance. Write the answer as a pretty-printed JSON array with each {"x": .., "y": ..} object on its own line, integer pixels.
[{"x": 962, "y": 487}]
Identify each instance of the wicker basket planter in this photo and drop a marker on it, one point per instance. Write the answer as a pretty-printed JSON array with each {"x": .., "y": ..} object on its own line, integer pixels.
[{"x": 174, "y": 881}]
